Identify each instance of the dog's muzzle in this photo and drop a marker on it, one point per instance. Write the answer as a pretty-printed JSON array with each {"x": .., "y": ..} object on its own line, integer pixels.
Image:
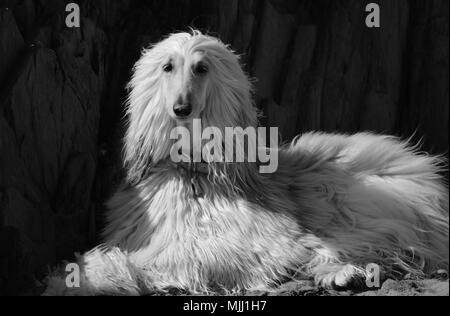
[{"x": 183, "y": 110}]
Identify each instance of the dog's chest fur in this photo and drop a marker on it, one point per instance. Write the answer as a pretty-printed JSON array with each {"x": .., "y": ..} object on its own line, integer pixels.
[{"x": 199, "y": 242}]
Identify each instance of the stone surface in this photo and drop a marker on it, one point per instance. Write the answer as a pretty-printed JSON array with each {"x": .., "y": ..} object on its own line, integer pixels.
[{"x": 11, "y": 44}]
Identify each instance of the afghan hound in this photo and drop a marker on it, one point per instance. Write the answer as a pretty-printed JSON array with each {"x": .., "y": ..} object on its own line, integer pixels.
[{"x": 335, "y": 204}]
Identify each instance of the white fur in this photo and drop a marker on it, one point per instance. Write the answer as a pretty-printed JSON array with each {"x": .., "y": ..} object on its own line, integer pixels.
[{"x": 336, "y": 204}]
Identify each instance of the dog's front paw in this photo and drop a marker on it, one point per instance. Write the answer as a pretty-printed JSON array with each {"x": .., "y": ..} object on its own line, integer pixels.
[{"x": 337, "y": 276}]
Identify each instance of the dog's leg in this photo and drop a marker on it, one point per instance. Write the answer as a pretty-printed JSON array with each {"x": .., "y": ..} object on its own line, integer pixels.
[{"x": 103, "y": 272}]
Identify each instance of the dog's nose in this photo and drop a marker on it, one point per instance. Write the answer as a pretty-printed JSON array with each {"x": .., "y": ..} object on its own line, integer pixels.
[{"x": 182, "y": 110}]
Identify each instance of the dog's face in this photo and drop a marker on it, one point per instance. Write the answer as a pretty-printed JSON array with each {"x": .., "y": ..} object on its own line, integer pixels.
[
  {"x": 186, "y": 78},
  {"x": 194, "y": 76}
]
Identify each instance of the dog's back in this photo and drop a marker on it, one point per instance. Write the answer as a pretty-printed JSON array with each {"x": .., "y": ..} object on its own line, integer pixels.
[{"x": 374, "y": 198}]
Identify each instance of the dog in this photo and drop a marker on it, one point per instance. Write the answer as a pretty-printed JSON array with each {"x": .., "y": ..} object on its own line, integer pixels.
[{"x": 336, "y": 204}]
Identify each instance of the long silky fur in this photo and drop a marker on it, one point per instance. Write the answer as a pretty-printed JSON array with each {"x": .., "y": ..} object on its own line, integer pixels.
[{"x": 336, "y": 203}]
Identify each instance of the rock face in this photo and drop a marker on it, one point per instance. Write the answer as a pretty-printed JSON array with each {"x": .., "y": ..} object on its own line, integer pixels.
[{"x": 62, "y": 90}]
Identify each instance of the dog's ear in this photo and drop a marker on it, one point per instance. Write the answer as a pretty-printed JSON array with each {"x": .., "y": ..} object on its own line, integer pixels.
[
  {"x": 148, "y": 124},
  {"x": 242, "y": 94},
  {"x": 232, "y": 91},
  {"x": 249, "y": 114}
]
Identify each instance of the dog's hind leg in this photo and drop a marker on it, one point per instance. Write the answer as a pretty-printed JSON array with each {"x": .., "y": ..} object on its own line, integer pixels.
[{"x": 339, "y": 276}]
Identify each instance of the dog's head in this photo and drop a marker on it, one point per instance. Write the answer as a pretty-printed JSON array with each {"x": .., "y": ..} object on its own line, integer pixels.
[{"x": 187, "y": 76}]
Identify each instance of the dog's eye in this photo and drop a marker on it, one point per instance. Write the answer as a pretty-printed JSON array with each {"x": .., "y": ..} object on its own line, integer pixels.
[
  {"x": 201, "y": 69},
  {"x": 168, "y": 67}
]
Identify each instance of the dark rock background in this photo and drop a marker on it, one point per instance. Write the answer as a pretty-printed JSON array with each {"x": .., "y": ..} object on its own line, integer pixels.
[{"x": 62, "y": 92}]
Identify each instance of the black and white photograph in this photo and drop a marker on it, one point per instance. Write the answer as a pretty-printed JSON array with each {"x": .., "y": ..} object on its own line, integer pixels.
[{"x": 223, "y": 153}]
